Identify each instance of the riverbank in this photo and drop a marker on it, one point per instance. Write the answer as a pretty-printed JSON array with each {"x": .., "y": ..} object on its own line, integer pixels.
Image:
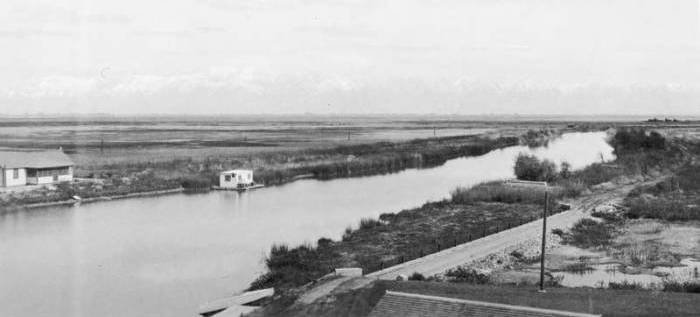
[
  {"x": 71, "y": 202},
  {"x": 375, "y": 239},
  {"x": 129, "y": 180}
]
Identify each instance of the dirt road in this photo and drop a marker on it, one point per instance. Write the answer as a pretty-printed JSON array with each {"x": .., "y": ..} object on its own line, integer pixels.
[{"x": 437, "y": 263}]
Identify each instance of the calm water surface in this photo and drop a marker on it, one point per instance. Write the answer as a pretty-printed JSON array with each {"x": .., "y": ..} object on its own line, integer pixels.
[{"x": 163, "y": 256}]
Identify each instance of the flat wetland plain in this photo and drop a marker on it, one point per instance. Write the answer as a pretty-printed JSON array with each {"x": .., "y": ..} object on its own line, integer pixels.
[{"x": 102, "y": 141}]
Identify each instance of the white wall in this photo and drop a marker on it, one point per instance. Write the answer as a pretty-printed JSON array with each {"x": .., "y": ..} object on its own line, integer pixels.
[
  {"x": 231, "y": 184},
  {"x": 49, "y": 179},
  {"x": 241, "y": 177},
  {"x": 11, "y": 181}
]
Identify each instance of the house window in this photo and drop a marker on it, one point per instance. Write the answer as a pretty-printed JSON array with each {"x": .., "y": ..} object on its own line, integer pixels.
[
  {"x": 15, "y": 173},
  {"x": 227, "y": 178}
]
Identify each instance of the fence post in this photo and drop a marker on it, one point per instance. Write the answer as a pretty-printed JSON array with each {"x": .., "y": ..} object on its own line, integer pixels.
[{"x": 470, "y": 236}]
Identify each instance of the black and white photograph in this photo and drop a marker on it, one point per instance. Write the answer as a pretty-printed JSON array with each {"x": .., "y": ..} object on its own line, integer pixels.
[{"x": 349, "y": 158}]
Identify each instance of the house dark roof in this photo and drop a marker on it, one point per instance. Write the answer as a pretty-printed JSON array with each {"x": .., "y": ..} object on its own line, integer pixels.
[
  {"x": 34, "y": 159},
  {"x": 397, "y": 304}
]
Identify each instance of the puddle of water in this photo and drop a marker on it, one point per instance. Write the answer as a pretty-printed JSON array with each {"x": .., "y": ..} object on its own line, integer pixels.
[
  {"x": 603, "y": 274},
  {"x": 690, "y": 270}
]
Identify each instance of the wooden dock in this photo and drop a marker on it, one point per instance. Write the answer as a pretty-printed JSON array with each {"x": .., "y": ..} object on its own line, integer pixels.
[{"x": 239, "y": 189}]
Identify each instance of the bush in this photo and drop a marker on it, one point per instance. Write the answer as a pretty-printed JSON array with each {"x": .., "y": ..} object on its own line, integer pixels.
[
  {"x": 671, "y": 209},
  {"x": 633, "y": 140},
  {"x": 595, "y": 173},
  {"x": 565, "y": 170},
  {"x": 291, "y": 267},
  {"x": 466, "y": 275},
  {"x": 588, "y": 233},
  {"x": 416, "y": 277},
  {"x": 369, "y": 223},
  {"x": 529, "y": 167},
  {"x": 627, "y": 285},
  {"x": 685, "y": 287},
  {"x": 578, "y": 267},
  {"x": 571, "y": 187}
]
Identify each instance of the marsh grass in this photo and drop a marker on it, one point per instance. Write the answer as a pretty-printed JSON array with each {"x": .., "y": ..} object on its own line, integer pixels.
[
  {"x": 467, "y": 275},
  {"x": 649, "y": 228},
  {"x": 394, "y": 239},
  {"x": 503, "y": 193},
  {"x": 578, "y": 267}
]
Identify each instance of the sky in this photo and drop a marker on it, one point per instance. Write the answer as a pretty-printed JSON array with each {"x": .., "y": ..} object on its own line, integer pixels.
[{"x": 350, "y": 56}]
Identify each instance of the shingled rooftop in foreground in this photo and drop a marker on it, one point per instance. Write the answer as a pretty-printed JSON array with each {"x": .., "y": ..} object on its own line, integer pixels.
[
  {"x": 20, "y": 168},
  {"x": 398, "y": 304}
]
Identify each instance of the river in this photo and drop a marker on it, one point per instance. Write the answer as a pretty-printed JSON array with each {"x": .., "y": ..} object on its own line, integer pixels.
[{"x": 164, "y": 256}]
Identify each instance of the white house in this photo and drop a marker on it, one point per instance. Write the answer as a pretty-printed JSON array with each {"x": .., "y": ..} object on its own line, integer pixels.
[
  {"x": 236, "y": 179},
  {"x": 34, "y": 168}
]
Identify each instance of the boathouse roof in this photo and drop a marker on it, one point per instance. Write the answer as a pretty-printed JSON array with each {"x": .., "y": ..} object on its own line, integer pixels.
[
  {"x": 236, "y": 171},
  {"x": 398, "y": 304},
  {"x": 34, "y": 159}
]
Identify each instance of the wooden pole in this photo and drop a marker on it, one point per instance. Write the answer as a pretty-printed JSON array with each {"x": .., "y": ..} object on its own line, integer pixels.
[{"x": 544, "y": 239}]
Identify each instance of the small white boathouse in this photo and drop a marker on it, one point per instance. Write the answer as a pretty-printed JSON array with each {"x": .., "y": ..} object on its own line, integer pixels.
[{"x": 236, "y": 179}]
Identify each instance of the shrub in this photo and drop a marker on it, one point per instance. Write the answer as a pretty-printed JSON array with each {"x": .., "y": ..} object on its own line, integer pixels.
[
  {"x": 571, "y": 187},
  {"x": 633, "y": 140},
  {"x": 588, "y": 233},
  {"x": 517, "y": 254},
  {"x": 529, "y": 167},
  {"x": 466, "y": 275},
  {"x": 596, "y": 173},
  {"x": 626, "y": 285},
  {"x": 578, "y": 267},
  {"x": 291, "y": 267},
  {"x": 387, "y": 216},
  {"x": 565, "y": 170},
  {"x": 416, "y": 277},
  {"x": 662, "y": 208},
  {"x": 685, "y": 287},
  {"x": 369, "y": 223},
  {"x": 558, "y": 232}
]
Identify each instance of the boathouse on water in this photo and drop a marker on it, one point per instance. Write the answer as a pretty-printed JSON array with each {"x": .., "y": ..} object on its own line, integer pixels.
[
  {"x": 20, "y": 168},
  {"x": 236, "y": 179}
]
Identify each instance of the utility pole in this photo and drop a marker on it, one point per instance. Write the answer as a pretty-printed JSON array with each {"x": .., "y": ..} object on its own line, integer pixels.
[
  {"x": 527, "y": 184},
  {"x": 544, "y": 238}
]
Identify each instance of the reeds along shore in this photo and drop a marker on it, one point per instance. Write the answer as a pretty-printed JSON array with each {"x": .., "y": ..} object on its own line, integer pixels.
[
  {"x": 469, "y": 214},
  {"x": 270, "y": 168}
]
